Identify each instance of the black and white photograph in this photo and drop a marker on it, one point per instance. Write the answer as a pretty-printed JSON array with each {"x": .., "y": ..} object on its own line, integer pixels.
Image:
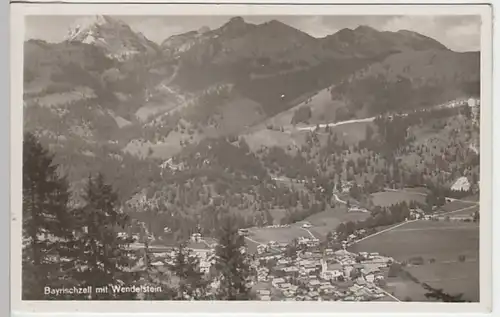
[{"x": 252, "y": 157}]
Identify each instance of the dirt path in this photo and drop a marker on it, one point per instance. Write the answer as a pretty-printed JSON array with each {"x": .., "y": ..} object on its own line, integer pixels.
[
  {"x": 387, "y": 293},
  {"x": 308, "y": 231},
  {"x": 339, "y": 200},
  {"x": 380, "y": 232},
  {"x": 260, "y": 243}
]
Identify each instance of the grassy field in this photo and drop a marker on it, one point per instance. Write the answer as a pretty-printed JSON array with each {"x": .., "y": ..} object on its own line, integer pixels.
[
  {"x": 322, "y": 223},
  {"x": 450, "y": 277},
  {"x": 328, "y": 220},
  {"x": 403, "y": 288},
  {"x": 352, "y": 133},
  {"x": 265, "y": 235},
  {"x": 441, "y": 241},
  {"x": 421, "y": 190},
  {"x": 469, "y": 211},
  {"x": 386, "y": 199},
  {"x": 455, "y": 205},
  {"x": 251, "y": 246},
  {"x": 269, "y": 138}
]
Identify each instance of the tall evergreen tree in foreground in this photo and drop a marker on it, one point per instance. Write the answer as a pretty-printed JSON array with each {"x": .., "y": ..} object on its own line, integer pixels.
[
  {"x": 47, "y": 223},
  {"x": 192, "y": 284},
  {"x": 103, "y": 258},
  {"x": 232, "y": 264},
  {"x": 156, "y": 276}
]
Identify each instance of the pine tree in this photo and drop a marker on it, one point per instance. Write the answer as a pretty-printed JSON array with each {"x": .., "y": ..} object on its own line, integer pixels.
[
  {"x": 47, "y": 222},
  {"x": 192, "y": 284},
  {"x": 232, "y": 263},
  {"x": 156, "y": 276},
  {"x": 102, "y": 255}
]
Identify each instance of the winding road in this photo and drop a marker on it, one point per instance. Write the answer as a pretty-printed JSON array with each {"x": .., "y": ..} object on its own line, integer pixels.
[
  {"x": 331, "y": 125},
  {"x": 449, "y": 104},
  {"x": 308, "y": 231},
  {"x": 339, "y": 200}
]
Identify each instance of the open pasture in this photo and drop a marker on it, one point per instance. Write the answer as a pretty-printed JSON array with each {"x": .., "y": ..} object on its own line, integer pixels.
[
  {"x": 389, "y": 198},
  {"x": 405, "y": 288},
  {"x": 351, "y": 133},
  {"x": 329, "y": 219},
  {"x": 467, "y": 211},
  {"x": 439, "y": 240},
  {"x": 286, "y": 234},
  {"x": 455, "y": 277},
  {"x": 456, "y": 205}
]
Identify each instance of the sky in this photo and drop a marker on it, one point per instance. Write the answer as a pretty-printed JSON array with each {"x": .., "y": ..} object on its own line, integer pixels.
[{"x": 457, "y": 32}]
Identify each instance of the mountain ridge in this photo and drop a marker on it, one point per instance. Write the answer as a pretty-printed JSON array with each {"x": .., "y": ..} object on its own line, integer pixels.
[{"x": 162, "y": 98}]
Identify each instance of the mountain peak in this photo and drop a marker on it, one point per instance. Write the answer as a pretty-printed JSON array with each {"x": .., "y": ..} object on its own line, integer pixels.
[
  {"x": 236, "y": 21},
  {"x": 78, "y": 31},
  {"x": 203, "y": 30},
  {"x": 235, "y": 26},
  {"x": 114, "y": 36},
  {"x": 365, "y": 29}
]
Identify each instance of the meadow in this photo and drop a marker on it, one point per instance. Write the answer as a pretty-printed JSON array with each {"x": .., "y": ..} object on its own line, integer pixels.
[
  {"x": 287, "y": 234},
  {"x": 465, "y": 211},
  {"x": 456, "y": 205},
  {"x": 439, "y": 243},
  {"x": 329, "y": 219},
  {"x": 386, "y": 199}
]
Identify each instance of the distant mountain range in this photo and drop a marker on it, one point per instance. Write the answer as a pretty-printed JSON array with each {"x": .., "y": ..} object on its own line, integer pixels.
[{"x": 108, "y": 91}]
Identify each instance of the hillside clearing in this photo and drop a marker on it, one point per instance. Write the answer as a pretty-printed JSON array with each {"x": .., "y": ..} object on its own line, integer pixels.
[
  {"x": 328, "y": 220},
  {"x": 282, "y": 235},
  {"x": 388, "y": 198}
]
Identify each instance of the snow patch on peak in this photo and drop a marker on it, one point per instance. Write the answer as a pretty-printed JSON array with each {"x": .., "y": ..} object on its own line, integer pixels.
[{"x": 86, "y": 25}]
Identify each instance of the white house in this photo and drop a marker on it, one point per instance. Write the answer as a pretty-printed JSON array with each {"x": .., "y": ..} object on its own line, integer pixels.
[
  {"x": 261, "y": 248},
  {"x": 461, "y": 184},
  {"x": 264, "y": 292},
  {"x": 347, "y": 270},
  {"x": 277, "y": 281},
  {"x": 370, "y": 277}
]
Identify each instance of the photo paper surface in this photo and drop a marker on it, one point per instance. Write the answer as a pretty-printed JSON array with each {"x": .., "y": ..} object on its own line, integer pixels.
[{"x": 210, "y": 155}]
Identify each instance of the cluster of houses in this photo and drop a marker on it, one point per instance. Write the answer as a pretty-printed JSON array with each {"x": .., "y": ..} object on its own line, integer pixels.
[
  {"x": 308, "y": 274},
  {"x": 171, "y": 165},
  {"x": 264, "y": 249},
  {"x": 199, "y": 247},
  {"x": 320, "y": 275}
]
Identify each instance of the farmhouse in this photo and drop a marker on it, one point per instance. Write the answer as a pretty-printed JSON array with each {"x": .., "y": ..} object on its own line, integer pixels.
[
  {"x": 261, "y": 248},
  {"x": 461, "y": 184},
  {"x": 314, "y": 283},
  {"x": 277, "y": 281}
]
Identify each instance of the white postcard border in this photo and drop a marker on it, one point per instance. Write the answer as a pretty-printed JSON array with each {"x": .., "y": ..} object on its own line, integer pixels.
[{"x": 18, "y": 11}]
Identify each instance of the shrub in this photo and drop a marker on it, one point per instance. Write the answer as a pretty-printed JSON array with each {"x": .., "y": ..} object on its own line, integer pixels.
[{"x": 418, "y": 260}]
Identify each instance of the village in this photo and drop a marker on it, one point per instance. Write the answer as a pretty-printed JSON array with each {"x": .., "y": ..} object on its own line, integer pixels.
[
  {"x": 315, "y": 274},
  {"x": 306, "y": 273}
]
